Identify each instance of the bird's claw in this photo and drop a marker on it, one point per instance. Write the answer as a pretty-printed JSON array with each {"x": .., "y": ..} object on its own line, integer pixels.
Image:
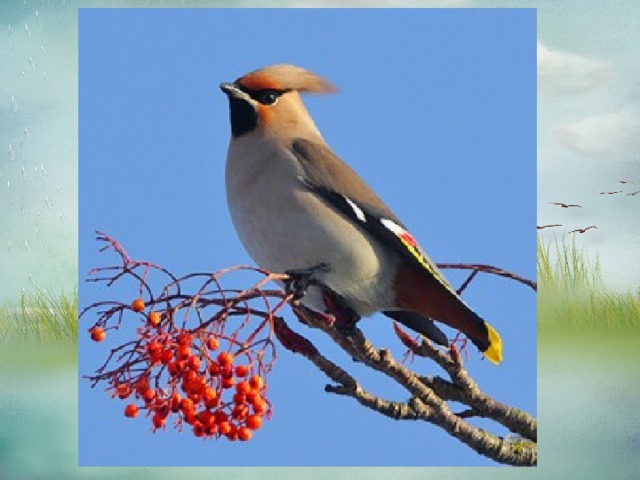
[{"x": 300, "y": 279}]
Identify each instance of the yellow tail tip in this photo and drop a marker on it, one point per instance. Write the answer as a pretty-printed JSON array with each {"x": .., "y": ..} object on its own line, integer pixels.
[{"x": 494, "y": 352}]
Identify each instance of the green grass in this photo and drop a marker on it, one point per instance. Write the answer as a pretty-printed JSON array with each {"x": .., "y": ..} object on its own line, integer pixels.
[
  {"x": 572, "y": 293},
  {"x": 40, "y": 317}
]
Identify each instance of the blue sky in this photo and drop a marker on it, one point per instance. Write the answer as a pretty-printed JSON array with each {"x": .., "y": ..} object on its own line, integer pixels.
[{"x": 436, "y": 110}]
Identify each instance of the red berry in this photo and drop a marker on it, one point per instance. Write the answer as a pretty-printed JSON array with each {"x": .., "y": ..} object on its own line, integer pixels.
[
  {"x": 193, "y": 362},
  {"x": 183, "y": 352},
  {"x": 243, "y": 388},
  {"x": 214, "y": 369},
  {"x": 240, "y": 412},
  {"x": 159, "y": 421},
  {"x": 137, "y": 305},
  {"x": 198, "y": 429},
  {"x": 154, "y": 319},
  {"x": 224, "y": 427},
  {"x": 166, "y": 356},
  {"x": 186, "y": 404},
  {"x": 123, "y": 390},
  {"x": 254, "y": 422},
  {"x": 148, "y": 395},
  {"x": 185, "y": 338},
  {"x": 242, "y": 371},
  {"x": 174, "y": 402},
  {"x": 131, "y": 411},
  {"x": 210, "y": 397},
  {"x": 225, "y": 358},
  {"x": 244, "y": 434},
  {"x": 259, "y": 406},
  {"x": 256, "y": 382},
  {"x": 212, "y": 343},
  {"x": 97, "y": 334}
]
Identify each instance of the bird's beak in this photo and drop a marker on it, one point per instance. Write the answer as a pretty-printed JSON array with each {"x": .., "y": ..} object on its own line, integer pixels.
[{"x": 232, "y": 91}]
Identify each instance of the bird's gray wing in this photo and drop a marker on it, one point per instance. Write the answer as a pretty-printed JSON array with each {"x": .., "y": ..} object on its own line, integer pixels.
[{"x": 342, "y": 188}]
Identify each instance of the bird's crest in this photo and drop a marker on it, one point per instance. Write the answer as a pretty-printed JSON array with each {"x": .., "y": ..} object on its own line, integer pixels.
[{"x": 285, "y": 77}]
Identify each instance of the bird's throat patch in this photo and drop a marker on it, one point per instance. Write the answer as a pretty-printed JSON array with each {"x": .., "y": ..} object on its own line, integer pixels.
[{"x": 244, "y": 117}]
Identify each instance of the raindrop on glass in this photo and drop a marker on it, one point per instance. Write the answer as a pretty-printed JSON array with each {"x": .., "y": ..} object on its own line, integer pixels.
[
  {"x": 38, "y": 20},
  {"x": 14, "y": 104},
  {"x": 26, "y": 132},
  {"x": 24, "y": 173},
  {"x": 44, "y": 170},
  {"x": 12, "y": 152},
  {"x": 9, "y": 35},
  {"x": 24, "y": 74},
  {"x": 48, "y": 202},
  {"x": 46, "y": 77},
  {"x": 42, "y": 265},
  {"x": 62, "y": 217},
  {"x": 8, "y": 184},
  {"x": 38, "y": 235},
  {"x": 58, "y": 189},
  {"x": 9, "y": 252},
  {"x": 27, "y": 29},
  {"x": 42, "y": 48},
  {"x": 31, "y": 278},
  {"x": 26, "y": 246},
  {"x": 32, "y": 62}
]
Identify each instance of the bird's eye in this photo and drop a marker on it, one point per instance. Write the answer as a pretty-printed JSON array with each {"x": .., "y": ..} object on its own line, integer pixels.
[{"x": 268, "y": 97}]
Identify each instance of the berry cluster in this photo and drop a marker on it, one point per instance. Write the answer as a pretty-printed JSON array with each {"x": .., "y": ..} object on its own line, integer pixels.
[
  {"x": 185, "y": 376},
  {"x": 189, "y": 353}
]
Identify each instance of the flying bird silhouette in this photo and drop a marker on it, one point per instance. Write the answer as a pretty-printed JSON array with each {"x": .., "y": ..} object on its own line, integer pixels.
[
  {"x": 624, "y": 181},
  {"x": 632, "y": 193},
  {"x": 540, "y": 227},
  {"x": 610, "y": 193},
  {"x": 582, "y": 230},
  {"x": 566, "y": 205}
]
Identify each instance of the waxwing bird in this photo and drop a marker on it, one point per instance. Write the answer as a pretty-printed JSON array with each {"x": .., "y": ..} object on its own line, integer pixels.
[
  {"x": 610, "y": 193},
  {"x": 297, "y": 207},
  {"x": 542, "y": 227}
]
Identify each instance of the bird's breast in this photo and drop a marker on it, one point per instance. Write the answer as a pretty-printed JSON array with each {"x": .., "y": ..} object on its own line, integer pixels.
[{"x": 283, "y": 225}]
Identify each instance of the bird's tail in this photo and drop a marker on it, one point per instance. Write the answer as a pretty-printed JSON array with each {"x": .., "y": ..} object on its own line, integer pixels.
[
  {"x": 435, "y": 299},
  {"x": 494, "y": 348},
  {"x": 482, "y": 335}
]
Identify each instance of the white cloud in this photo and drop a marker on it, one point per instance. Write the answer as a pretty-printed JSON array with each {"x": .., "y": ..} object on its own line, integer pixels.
[
  {"x": 567, "y": 73},
  {"x": 608, "y": 134}
]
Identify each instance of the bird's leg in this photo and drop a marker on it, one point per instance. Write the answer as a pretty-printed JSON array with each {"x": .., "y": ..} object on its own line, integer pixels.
[
  {"x": 300, "y": 279},
  {"x": 345, "y": 317}
]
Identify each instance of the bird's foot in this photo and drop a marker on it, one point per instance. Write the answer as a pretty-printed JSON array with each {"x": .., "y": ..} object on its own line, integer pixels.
[
  {"x": 300, "y": 279},
  {"x": 345, "y": 318}
]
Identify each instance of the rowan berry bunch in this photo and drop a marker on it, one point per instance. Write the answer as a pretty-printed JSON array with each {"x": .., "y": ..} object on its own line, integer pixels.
[{"x": 199, "y": 360}]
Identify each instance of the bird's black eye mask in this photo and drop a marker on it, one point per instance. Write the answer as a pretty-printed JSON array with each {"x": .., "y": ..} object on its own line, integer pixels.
[{"x": 267, "y": 96}]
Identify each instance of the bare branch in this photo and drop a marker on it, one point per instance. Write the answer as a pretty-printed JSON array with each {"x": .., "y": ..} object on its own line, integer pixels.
[{"x": 171, "y": 368}]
